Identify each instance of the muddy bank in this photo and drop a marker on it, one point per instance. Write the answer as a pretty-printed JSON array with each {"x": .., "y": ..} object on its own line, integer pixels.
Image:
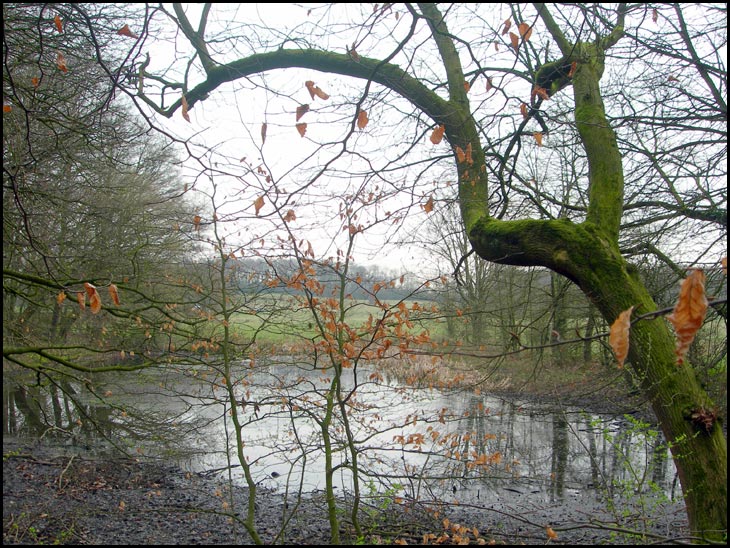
[{"x": 53, "y": 496}]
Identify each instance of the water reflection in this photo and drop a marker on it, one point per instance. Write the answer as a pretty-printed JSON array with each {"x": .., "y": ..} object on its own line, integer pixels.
[{"x": 425, "y": 443}]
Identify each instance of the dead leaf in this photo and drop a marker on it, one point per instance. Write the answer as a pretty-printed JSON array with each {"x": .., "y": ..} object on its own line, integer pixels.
[
  {"x": 540, "y": 92},
  {"x": 290, "y": 216},
  {"x": 196, "y": 222},
  {"x": 81, "y": 298},
  {"x": 61, "y": 62},
  {"x": 618, "y": 336},
  {"x": 489, "y": 83},
  {"x": 263, "y": 133},
  {"x": 61, "y": 297},
  {"x": 723, "y": 262},
  {"x": 258, "y": 204},
  {"x": 525, "y": 31},
  {"x": 438, "y": 134},
  {"x": 301, "y": 111},
  {"x": 538, "y": 138},
  {"x": 515, "y": 40},
  {"x": 524, "y": 111},
  {"x": 573, "y": 66},
  {"x": 314, "y": 91},
  {"x": 362, "y": 119},
  {"x": 654, "y": 15},
  {"x": 689, "y": 311},
  {"x": 126, "y": 31},
  {"x": 460, "y": 154},
  {"x": 507, "y": 25},
  {"x": 58, "y": 23},
  {"x": 428, "y": 206},
  {"x": 302, "y": 129},
  {"x": 7, "y": 108},
  {"x": 185, "y": 114},
  {"x": 552, "y": 535},
  {"x": 467, "y": 86},
  {"x": 114, "y": 294}
]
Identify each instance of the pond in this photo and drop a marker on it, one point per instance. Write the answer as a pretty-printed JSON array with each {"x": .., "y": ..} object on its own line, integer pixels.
[{"x": 419, "y": 443}]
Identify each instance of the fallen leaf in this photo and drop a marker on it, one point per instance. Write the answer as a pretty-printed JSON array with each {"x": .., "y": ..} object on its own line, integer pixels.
[{"x": 552, "y": 535}]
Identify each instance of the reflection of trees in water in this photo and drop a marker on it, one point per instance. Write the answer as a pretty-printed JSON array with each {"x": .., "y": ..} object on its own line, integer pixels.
[{"x": 80, "y": 413}]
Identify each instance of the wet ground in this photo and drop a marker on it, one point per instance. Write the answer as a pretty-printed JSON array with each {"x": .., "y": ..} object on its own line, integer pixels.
[{"x": 51, "y": 495}]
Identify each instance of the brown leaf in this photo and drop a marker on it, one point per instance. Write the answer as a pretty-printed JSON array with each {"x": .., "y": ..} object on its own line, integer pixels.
[
  {"x": 126, "y": 31},
  {"x": 290, "y": 216},
  {"x": 196, "y": 222},
  {"x": 538, "y": 138},
  {"x": 689, "y": 311},
  {"x": 81, "y": 298},
  {"x": 540, "y": 92},
  {"x": 489, "y": 83},
  {"x": 525, "y": 31},
  {"x": 258, "y": 204},
  {"x": 353, "y": 53},
  {"x": 428, "y": 206},
  {"x": 263, "y": 133},
  {"x": 654, "y": 15},
  {"x": 573, "y": 66},
  {"x": 35, "y": 81},
  {"x": 523, "y": 110},
  {"x": 618, "y": 336},
  {"x": 185, "y": 114},
  {"x": 90, "y": 289},
  {"x": 7, "y": 108},
  {"x": 314, "y": 91},
  {"x": 467, "y": 86},
  {"x": 95, "y": 302},
  {"x": 515, "y": 40},
  {"x": 362, "y": 119},
  {"x": 723, "y": 262},
  {"x": 460, "y": 154},
  {"x": 114, "y": 294},
  {"x": 58, "y": 23},
  {"x": 552, "y": 535},
  {"x": 61, "y": 297},
  {"x": 61, "y": 62},
  {"x": 302, "y": 129},
  {"x": 437, "y": 134},
  {"x": 507, "y": 25},
  {"x": 301, "y": 111}
]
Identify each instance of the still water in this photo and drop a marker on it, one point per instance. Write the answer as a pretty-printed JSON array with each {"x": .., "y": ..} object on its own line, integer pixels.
[{"x": 423, "y": 443}]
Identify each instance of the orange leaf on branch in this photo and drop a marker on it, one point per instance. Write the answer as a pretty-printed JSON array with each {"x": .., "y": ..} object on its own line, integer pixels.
[
  {"x": 689, "y": 312},
  {"x": 362, "y": 119},
  {"x": 538, "y": 138},
  {"x": 314, "y": 91},
  {"x": 525, "y": 31},
  {"x": 114, "y": 294},
  {"x": 428, "y": 206},
  {"x": 515, "y": 40},
  {"x": 301, "y": 111},
  {"x": 61, "y": 62},
  {"x": 185, "y": 114},
  {"x": 438, "y": 134},
  {"x": 618, "y": 336},
  {"x": 258, "y": 204},
  {"x": 302, "y": 129},
  {"x": 126, "y": 31}
]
